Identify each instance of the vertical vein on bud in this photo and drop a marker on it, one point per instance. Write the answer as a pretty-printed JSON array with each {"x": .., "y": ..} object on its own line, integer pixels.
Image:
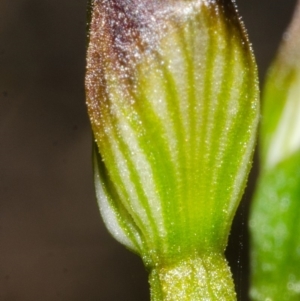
[{"x": 124, "y": 229}]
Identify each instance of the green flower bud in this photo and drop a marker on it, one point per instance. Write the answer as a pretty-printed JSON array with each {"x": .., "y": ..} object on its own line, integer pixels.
[
  {"x": 274, "y": 222},
  {"x": 173, "y": 101},
  {"x": 280, "y": 136}
]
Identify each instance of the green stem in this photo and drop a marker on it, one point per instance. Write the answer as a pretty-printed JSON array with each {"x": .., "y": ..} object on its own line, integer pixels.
[{"x": 196, "y": 278}]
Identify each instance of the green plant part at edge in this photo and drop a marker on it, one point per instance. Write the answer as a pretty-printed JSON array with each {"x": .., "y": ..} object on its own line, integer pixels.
[
  {"x": 172, "y": 96},
  {"x": 274, "y": 222}
]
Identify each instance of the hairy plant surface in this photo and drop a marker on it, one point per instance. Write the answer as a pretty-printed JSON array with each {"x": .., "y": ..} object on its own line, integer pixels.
[{"x": 173, "y": 101}]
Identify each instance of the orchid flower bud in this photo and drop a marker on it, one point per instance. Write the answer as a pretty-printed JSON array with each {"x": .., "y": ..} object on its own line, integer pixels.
[
  {"x": 274, "y": 222},
  {"x": 280, "y": 136},
  {"x": 173, "y": 101}
]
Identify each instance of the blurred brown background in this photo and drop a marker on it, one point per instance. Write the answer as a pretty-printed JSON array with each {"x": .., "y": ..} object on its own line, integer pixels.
[{"x": 53, "y": 244}]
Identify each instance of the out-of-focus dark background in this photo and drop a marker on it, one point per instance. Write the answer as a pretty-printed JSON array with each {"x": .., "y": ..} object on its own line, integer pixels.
[{"x": 53, "y": 244}]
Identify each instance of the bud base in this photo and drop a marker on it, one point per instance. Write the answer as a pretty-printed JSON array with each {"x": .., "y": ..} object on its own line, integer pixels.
[{"x": 193, "y": 279}]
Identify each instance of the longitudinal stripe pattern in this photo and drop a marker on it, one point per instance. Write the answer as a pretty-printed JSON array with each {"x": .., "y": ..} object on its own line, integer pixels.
[
  {"x": 124, "y": 230},
  {"x": 174, "y": 118}
]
